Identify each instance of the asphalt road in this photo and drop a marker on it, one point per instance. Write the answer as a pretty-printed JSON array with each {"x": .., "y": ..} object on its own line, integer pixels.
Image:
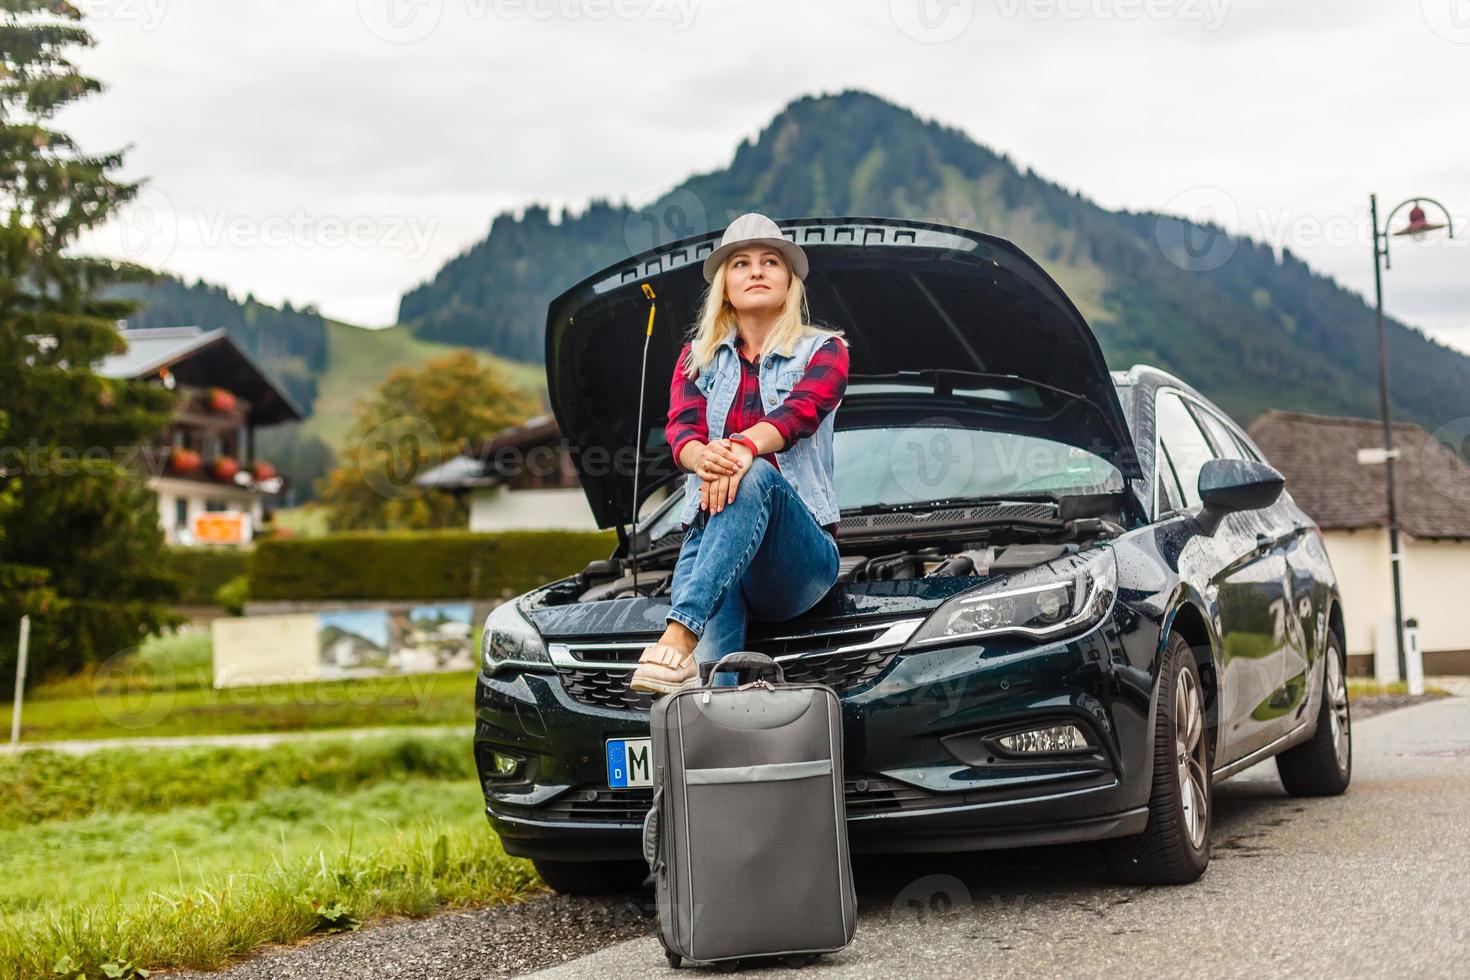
[{"x": 1372, "y": 883}]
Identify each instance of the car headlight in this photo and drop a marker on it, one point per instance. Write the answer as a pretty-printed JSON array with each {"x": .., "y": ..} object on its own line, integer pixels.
[
  {"x": 1068, "y": 595},
  {"x": 511, "y": 641}
]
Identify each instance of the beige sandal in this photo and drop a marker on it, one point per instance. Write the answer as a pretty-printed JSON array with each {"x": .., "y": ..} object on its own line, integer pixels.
[{"x": 662, "y": 670}]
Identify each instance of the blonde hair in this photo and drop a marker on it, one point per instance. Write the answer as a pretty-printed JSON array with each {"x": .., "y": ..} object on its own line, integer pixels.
[{"x": 717, "y": 322}]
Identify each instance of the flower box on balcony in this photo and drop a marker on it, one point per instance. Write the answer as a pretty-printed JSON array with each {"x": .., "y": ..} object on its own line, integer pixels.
[
  {"x": 225, "y": 468},
  {"x": 220, "y": 400},
  {"x": 182, "y": 460},
  {"x": 262, "y": 470}
]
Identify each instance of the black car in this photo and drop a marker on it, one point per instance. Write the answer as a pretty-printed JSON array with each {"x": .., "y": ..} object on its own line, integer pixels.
[{"x": 1070, "y": 600}]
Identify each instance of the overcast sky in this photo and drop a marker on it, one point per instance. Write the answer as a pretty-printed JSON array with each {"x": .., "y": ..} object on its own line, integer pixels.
[{"x": 337, "y": 152}]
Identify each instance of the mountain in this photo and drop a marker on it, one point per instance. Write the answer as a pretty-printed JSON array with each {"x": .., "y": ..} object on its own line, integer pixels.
[{"x": 1251, "y": 329}]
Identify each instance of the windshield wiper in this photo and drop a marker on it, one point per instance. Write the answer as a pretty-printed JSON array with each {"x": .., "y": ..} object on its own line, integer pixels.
[{"x": 941, "y": 504}]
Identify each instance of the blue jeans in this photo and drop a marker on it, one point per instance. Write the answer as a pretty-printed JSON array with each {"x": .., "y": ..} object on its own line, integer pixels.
[{"x": 763, "y": 555}]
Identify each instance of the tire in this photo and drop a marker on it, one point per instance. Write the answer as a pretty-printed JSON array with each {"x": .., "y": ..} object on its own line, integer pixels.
[
  {"x": 1174, "y": 848},
  {"x": 592, "y": 877},
  {"x": 1323, "y": 765}
]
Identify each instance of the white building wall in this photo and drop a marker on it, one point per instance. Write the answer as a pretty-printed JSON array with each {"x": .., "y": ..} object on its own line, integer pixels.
[
  {"x": 1360, "y": 560},
  {"x": 1434, "y": 579},
  {"x": 197, "y": 496},
  {"x": 552, "y": 508}
]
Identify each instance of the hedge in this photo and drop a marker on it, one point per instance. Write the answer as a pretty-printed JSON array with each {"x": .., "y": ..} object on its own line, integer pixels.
[
  {"x": 419, "y": 564},
  {"x": 201, "y": 571}
]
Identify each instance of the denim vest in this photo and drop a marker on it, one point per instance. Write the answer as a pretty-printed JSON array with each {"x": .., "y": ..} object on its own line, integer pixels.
[{"x": 806, "y": 464}]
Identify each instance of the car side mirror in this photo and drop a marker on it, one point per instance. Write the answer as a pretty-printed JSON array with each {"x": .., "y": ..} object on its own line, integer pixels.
[{"x": 1239, "y": 484}]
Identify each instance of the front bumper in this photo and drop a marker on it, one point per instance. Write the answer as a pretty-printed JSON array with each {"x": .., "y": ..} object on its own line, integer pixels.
[{"x": 922, "y": 770}]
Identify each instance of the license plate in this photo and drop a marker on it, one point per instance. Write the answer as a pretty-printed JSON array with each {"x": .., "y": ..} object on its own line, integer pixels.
[{"x": 629, "y": 762}]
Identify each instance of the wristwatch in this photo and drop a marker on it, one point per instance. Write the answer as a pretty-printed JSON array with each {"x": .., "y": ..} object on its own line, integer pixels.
[{"x": 747, "y": 442}]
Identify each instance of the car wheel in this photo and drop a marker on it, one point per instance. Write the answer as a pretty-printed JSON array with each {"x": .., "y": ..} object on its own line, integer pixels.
[
  {"x": 592, "y": 877},
  {"x": 1323, "y": 766},
  {"x": 1174, "y": 848}
]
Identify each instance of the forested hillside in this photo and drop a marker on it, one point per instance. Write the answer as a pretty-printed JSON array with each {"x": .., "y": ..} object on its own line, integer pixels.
[{"x": 1259, "y": 331}]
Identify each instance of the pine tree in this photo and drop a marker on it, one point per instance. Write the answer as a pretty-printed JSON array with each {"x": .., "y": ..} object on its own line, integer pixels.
[{"x": 80, "y": 545}]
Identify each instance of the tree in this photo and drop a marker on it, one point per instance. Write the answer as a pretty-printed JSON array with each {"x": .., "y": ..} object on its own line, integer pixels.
[
  {"x": 417, "y": 418},
  {"x": 82, "y": 545}
]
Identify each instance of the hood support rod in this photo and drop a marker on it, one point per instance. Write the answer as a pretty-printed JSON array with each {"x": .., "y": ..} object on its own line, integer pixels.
[{"x": 638, "y": 449}]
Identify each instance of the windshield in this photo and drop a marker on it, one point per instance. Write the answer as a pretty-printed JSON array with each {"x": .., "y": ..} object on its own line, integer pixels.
[
  {"x": 904, "y": 465},
  {"x": 917, "y": 464}
]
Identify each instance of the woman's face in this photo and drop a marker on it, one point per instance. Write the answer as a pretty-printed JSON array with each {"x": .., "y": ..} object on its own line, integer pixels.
[{"x": 757, "y": 280}]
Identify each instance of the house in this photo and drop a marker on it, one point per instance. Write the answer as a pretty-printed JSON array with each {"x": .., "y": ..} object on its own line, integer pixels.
[
  {"x": 521, "y": 479},
  {"x": 211, "y": 488},
  {"x": 1318, "y": 455}
]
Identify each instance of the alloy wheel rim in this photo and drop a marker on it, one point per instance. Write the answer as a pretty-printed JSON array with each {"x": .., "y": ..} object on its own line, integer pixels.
[
  {"x": 1190, "y": 749},
  {"x": 1338, "y": 716}
]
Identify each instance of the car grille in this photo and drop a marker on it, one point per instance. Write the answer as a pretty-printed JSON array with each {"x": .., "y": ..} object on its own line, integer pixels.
[
  {"x": 864, "y": 794},
  {"x": 597, "y": 674}
]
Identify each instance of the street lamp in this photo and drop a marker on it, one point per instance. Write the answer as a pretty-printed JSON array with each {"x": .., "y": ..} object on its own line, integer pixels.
[{"x": 1418, "y": 225}]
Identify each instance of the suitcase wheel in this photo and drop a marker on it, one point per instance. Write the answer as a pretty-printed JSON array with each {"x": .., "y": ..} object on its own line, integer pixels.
[
  {"x": 728, "y": 966},
  {"x": 797, "y": 962},
  {"x": 674, "y": 959}
]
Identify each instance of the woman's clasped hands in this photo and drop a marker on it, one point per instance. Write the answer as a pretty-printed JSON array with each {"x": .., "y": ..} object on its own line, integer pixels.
[{"x": 719, "y": 467}]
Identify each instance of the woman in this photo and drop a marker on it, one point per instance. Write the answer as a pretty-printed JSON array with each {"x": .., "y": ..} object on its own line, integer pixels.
[{"x": 751, "y": 410}]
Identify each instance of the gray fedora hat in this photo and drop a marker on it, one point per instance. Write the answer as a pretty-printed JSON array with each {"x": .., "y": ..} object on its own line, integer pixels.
[{"x": 754, "y": 228}]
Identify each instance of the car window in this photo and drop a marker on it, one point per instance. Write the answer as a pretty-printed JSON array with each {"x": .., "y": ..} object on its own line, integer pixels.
[
  {"x": 1226, "y": 446},
  {"x": 1185, "y": 447}
]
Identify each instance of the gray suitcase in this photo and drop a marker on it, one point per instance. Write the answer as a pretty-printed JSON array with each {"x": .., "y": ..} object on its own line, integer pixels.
[{"x": 747, "y": 837}]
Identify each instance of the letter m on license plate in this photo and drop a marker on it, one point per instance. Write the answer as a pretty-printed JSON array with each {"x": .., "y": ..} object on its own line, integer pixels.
[{"x": 629, "y": 762}]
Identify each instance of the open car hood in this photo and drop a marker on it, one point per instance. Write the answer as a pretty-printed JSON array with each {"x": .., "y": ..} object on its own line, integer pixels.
[{"x": 909, "y": 296}]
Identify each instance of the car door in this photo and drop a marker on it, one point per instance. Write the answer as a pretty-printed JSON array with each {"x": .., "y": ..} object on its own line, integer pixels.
[
  {"x": 1304, "y": 611},
  {"x": 1240, "y": 569}
]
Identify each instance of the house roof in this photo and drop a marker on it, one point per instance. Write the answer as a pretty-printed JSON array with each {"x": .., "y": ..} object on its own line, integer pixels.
[
  {"x": 1318, "y": 455},
  {"x": 203, "y": 358},
  {"x": 476, "y": 466}
]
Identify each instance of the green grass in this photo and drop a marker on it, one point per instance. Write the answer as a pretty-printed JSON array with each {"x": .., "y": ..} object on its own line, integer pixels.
[
  {"x": 165, "y": 689},
  {"x": 307, "y": 521},
  {"x": 411, "y": 699},
  {"x": 43, "y": 785},
  {"x": 1363, "y": 688},
  {"x": 263, "y": 863}
]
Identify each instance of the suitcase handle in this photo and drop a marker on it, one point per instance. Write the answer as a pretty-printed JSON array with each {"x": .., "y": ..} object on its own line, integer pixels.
[{"x": 758, "y": 664}]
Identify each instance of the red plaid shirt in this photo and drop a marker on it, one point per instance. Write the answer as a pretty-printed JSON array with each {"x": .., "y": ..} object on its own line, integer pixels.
[{"x": 810, "y": 399}]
